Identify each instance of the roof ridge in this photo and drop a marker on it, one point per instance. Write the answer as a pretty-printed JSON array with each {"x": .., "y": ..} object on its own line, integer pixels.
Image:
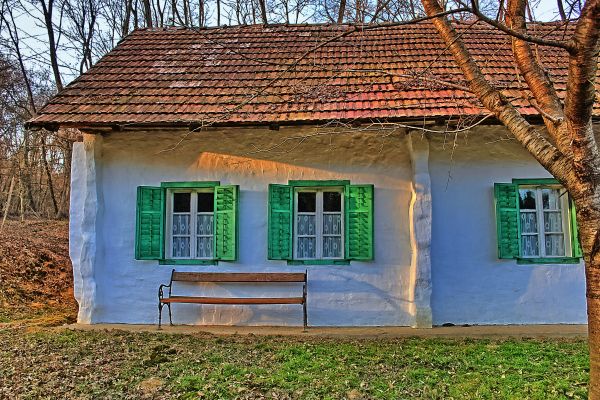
[{"x": 324, "y": 24}]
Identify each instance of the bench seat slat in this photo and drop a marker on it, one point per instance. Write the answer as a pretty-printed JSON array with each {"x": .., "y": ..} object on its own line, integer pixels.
[
  {"x": 233, "y": 300},
  {"x": 238, "y": 277}
]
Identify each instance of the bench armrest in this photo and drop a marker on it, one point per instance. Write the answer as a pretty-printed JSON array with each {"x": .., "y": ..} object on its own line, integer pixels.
[{"x": 161, "y": 292}]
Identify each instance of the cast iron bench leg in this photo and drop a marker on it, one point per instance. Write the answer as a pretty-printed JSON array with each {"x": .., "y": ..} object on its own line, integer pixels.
[
  {"x": 305, "y": 317},
  {"x": 160, "y": 306},
  {"x": 304, "y": 293}
]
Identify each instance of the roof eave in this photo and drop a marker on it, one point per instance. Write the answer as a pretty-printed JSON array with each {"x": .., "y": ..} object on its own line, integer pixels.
[
  {"x": 115, "y": 126},
  {"x": 274, "y": 125}
]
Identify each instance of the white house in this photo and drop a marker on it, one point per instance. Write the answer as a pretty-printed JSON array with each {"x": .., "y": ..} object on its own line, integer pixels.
[{"x": 360, "y": 161}]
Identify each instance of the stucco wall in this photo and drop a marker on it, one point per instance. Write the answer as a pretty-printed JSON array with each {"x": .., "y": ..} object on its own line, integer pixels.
[
  {"x": 470, "y": 284},
  {"x": 363, "y": 293}
]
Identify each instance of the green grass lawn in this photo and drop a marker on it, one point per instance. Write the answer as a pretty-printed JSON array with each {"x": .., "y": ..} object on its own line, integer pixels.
[{"x": 75, "y": 364}]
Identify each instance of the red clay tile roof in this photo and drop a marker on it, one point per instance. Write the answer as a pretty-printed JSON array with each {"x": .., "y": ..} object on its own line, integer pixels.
[{"x": 242, "y": 75}]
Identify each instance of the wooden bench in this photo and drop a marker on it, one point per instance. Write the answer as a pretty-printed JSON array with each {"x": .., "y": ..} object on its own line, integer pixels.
[{"x": 231, "y": 277}]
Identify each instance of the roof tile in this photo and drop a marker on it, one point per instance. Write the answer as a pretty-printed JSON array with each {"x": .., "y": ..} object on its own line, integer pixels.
[{"x": 255, "y": 74}]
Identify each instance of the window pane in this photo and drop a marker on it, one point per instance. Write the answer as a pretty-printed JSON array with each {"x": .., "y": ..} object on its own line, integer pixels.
[
  {"x": 181, "y": 247},
  {"x": 181, "y": 224},
  {"x": 551, "y": 199},
  {"x": 332, "y": 246},
  {"x": 529, "y": 246},
  {"x": 206, "y": 202},
  {"x": 526, "y": 199},
  {"x": 552, "y": 221},
  {"x": 204, "y": 247},
  {"x": 332, "y": 201},
  {"x": 307, "y": 201},
  {"x": 529, "y": 222},
  {"x": 307, "y": 247},
  {"x": 204, "y": 225},
  {"x": 181, "y": 202},
  {"x": 555, "y": 245},
  {"x": 306, "y": 225},
  {"x": 332, "y": 224}
]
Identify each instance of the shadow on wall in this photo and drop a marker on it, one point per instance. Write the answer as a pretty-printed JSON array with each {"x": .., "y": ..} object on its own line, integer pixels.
[{"x": 243, "y": 150}]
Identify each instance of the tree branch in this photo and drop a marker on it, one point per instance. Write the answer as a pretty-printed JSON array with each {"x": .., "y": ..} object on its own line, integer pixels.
[
  {"x": 581, "y": 92},
  {"x": 517, "y": 34},
  {"x": 544, "y": 152},
  {"x": 547, "y": 101}
]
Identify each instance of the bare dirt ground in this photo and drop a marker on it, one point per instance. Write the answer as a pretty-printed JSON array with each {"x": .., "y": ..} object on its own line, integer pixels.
[{"x": 36, "y": 278}]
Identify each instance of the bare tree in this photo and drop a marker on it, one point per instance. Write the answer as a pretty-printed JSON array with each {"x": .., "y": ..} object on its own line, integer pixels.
[
  {"x": 341, "y": 11},
  {"x": 570, "y": 153},
  {"x": 81, "y": 17},
  {"x": 48, "y": 11},
  {"x": 147, "y": 13},
  {"x": 218, "y": 12},
  {"x": 263, "y": 11}
]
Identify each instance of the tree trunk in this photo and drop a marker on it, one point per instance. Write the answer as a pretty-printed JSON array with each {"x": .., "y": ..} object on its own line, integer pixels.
[
  {"x": 341, "y": 12},
  {"x": 175, "y": 12},
  {"x": 201, "y": 21},
  {"x": 26, "y": 172},
  {"x": 588, "y": 222},
  {"x": 186, "y": 13},
  {"x": 573, "y": 158},
  {"x": 48, "y": 175},
  {"x": 126, "y": 19},
  {"x": 147, "y": 13},
  {"x": 47, "y": 10},
  {"x": 68, "y": 156},
  {"x": 8, "y": 201},
  {"x": 263, "y": 11},
  {"x": 593, "y": 304},
  {"x": 561, "y": 10},
  {"x": 21, "y": 201}
]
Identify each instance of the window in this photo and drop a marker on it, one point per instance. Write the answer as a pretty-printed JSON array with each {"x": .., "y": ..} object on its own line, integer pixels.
[
  {"x": 535, "y": 220},
  {"x": 186, "y": 223},
  {"x": 319, "y": 226},
  {"x": 543, "y": 221},
  {"x": 320, "y": 222},
  {"x": 190, "y": 221}
]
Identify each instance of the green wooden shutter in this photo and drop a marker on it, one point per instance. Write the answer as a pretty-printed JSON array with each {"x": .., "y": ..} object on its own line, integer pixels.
[
  {"x": 575, "y": 245},
  {"x": 359, "y": 222},
  {"x": 149, "y": 228},
  {"x": 507, "y": 220},
  {"x": 226, "y": 204},
  {"x": 280, "y": 222}
]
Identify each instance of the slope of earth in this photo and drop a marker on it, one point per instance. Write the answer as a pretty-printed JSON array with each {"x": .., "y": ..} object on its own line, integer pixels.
[{"x": 36, "y": 280}]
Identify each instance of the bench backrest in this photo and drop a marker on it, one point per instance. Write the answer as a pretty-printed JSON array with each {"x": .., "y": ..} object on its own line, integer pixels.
[{"x": 238, "y": 277}]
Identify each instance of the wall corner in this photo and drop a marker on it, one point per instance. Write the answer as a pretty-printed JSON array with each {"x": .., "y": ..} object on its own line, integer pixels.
[
  {"x": 420, "y": 217},
  {"x": 84, "y": 222}
]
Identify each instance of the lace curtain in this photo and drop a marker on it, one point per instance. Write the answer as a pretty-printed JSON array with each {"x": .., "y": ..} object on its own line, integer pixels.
[
  {"x": 307, "y": 238},
  {"x": 552, "y": 227},
  {"x": 181, "y": 235},
  {"x": 332, "y": 235}
]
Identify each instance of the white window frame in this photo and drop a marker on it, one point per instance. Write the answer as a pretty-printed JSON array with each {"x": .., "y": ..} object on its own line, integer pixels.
[
  {"x": 319, "y": 213},
  {"x": 193, "y": 222},
  {"x": 539, "y": 210}
]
